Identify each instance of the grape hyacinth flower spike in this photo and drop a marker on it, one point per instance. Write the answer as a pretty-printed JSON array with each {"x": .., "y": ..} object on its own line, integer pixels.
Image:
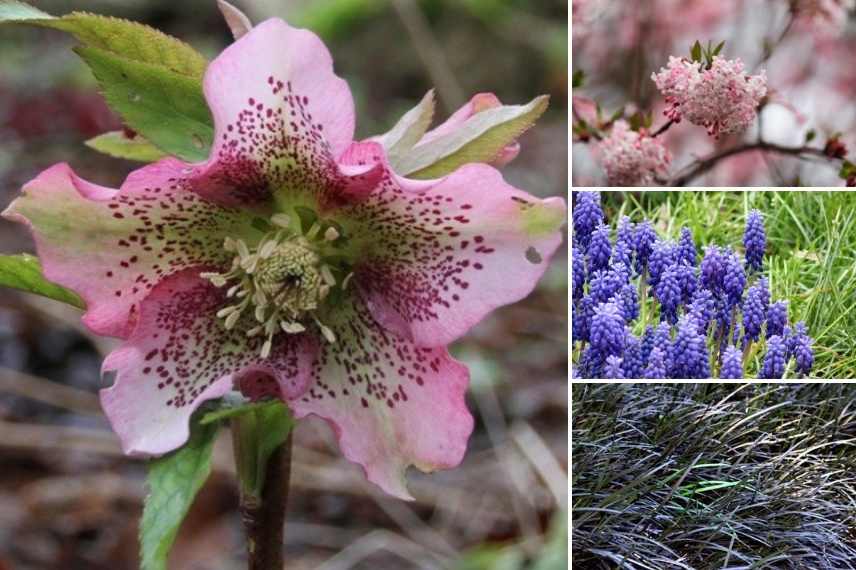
[
  {"x": 732, "y": 364},
  {"x": 587, "y": 215},
  {"x": 775, "y": 360},
  {"x": 294, "y": 253},
  {"x": 755, "y": 241}
]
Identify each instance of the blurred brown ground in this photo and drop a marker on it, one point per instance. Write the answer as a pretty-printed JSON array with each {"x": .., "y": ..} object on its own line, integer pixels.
[{"x": 69, "y": 500}]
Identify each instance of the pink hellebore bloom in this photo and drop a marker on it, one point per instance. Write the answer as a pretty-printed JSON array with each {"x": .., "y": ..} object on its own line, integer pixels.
[{"x": 292, "y": 262}]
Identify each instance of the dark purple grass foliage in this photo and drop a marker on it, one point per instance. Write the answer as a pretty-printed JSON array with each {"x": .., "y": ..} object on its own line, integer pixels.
[
  {"x": 707, "y": 318},
  {"x": 707, "y": 475}
]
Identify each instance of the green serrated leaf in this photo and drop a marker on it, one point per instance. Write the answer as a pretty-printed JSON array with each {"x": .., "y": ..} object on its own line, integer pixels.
[
  {"x": 154, "y": 81},
  {"x": 24, "y": 272},
  {"x": 118, "y": 145},
  {"x": 165, "y": 107},
  {"x": 409, "y": 128},
  {"x": 480, "y": 139},
  {"x": 173, "y": 482},
  {"x": 695, "y": 51},
  {"x": 578, "y": 79}
]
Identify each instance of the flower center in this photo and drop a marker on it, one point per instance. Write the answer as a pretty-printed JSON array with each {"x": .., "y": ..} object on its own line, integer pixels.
[{"x": 279, "y": 285}]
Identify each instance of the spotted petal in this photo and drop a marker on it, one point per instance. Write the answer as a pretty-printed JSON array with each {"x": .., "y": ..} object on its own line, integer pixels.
[
  {"x": 282, "y": 118},
  {"x": 434, "y": 263},
  {"x": 113, "y": 246},
  {"x": 391, "y": 403},
  {"x": 179, "y": 355}
]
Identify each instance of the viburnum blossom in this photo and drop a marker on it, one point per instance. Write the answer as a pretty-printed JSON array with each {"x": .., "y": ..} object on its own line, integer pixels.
[
  {"x": 293, "y": 263},
  {"x": 632, "y": 158},
  {"x": 723, "y": 98}
]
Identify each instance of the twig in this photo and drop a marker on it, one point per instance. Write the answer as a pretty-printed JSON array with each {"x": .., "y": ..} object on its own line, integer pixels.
[
  {"x": 48, "y": 392},
  {"x": 430, "y": 52},
  {"x": 704, "y": 165}
]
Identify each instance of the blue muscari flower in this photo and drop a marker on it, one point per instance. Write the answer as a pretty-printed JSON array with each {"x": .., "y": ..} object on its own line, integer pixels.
[
  {"x": 587, "y": 215},
  {"x": 581, "y": 319},
  {"x": 662, "y": 256},
  {"x": 669, "y": 293},
  {"x": 578, "y": 273},
  {"x": 733, "y": 279},
  {"x": 712, "y": 269},
  {"x": 690, "y": 357},
  {"x": 612, "y": 369},
  {"x": 703, "y": 309},
  {"x": 803, "y": 354},
  {"x": 656, "y": 368},
  {"x": 764, "y": 287},
  {"x": 687, "y": 280},
  {"x": 606, "y": 283},
  {"x": 799, "y": 346},
  {"x": 775, "y": 359},
  {"x": 777, "y": 318},
  {"x": 599, "y": 249},
  {"x": 647, "y": 343},
  {"x": 623, "y": 253},
  {"x": 732, "y": 364},
  {"x": 607, "y": 330},
  {"x": 591, "y": 363},
  {"x": 686, "y": 247},
  {"x": 625, "y": 231},
  {"x": 643, "y": 243},
  {"x": 628, "y": 302},
  {"x": 632, "y": 365},
  {"x": 755, "y": 241},
  {"x": 754, "y": 312}
]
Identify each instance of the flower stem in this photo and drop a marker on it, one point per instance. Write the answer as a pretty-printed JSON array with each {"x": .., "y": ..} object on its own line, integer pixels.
[
  {"x": 262, "y": 445},
  {"x": 264, "y": 516}
]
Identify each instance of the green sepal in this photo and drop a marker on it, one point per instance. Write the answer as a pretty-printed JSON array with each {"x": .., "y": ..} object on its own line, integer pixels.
[
  {"x": 119, "y": 145},
  {"x": 258, "y": 432},
  {"x": 24, "y": 272}
]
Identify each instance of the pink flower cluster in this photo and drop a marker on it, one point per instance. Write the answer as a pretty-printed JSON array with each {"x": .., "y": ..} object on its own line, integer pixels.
[
  {"x": 723, "y": 99},
  {"x": 633, "y": 158}
]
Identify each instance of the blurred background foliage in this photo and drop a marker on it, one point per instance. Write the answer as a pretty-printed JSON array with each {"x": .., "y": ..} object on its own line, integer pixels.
[{"x": 69, "y": 500}]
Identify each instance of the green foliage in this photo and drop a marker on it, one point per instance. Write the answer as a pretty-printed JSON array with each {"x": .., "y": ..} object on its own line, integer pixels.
[
  {"x": 152, "y": 80},
  {"x": 480, "y": 139},
  {"x": 578, "y": 79},
  {"x": 173, "y": 481},
  {"x": 24, "y": 272},
  {"x": 700, "y": 54},
  {"x": 166, "y": 108},
  {"x": 118, "y": 145}
]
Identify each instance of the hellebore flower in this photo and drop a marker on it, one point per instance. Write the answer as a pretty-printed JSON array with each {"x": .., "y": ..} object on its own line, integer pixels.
[
  {"x": 755, "y": 241},
  {"x": 294, "y": 254},
  {"x": 732, "y": 364}
]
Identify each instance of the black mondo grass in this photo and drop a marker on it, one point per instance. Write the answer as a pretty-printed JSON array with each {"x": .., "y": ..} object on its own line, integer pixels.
[{"x": 714, "y": 476}]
